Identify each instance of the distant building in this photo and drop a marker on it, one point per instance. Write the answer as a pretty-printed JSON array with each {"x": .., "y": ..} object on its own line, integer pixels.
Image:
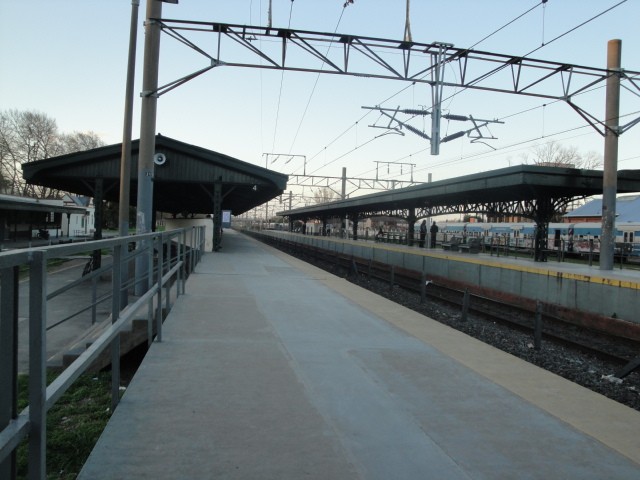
[
  {"x": 23, "y": 218},
  {"x": 78, "y": 224},
  {"x": 627, "y": 210}
]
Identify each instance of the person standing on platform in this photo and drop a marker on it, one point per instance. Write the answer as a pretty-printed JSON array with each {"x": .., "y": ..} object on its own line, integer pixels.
[
  {"x": 423, "y": 232},
  {"x": 434, "y": 232}
]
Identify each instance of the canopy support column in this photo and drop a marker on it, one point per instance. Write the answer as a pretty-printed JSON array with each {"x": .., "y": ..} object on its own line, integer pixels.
[
  {"x": 411, "y": 221},
  {"x": 217, "y": 215}
]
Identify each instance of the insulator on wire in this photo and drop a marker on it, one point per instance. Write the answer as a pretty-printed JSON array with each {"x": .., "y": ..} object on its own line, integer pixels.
[
  {"x": 411, "y": 111},
  {"x": 453, "y": 136},
  {"x": 416, "y": 131},
  {"x": 460, "y": 118}
]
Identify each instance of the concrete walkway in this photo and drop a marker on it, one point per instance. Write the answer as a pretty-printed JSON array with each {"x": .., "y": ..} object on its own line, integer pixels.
[{"x": 272, "y": 369}]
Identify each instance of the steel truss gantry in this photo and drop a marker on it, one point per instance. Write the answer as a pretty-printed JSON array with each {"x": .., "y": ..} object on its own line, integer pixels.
[
  {"x": 538, "y": 210},
  {"x": 271, "y": 48},
  {"x": 354, "y": 183}
]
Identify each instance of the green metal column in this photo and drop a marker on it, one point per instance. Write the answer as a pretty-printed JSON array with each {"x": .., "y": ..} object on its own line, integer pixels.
[
  {"x": 354, "y": 219},
  {"x": 217, "y": 215},
  {"x": 411, "y": 220},
  {"x": 98, "y": 196}
]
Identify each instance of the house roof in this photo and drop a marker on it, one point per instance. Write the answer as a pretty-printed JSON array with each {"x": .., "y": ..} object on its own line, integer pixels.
[
  {"x": 627, "y": 209},
  {"x": 25, "y": 204}
]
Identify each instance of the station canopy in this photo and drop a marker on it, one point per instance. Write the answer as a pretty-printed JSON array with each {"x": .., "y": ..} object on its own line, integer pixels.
[
  {"x": 183, "y": 179},
  {"x": 531, "y": 191}
]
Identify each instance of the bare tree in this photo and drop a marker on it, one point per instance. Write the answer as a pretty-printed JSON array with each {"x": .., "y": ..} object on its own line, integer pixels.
[
  {"x": 592, "y": 160},
  {"x": 553, "y": 154},
  {"x": 26, "y": 136},
  {"x": 80, "y": 141},
  {"x": 325, "y": 195}
]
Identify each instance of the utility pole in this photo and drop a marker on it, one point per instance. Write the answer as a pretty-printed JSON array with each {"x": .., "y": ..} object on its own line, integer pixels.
[
  {"x": 610, "y": 174},
  {"x": 125, "y": 159},
  {"x": 144, "y": 210},
  {"x": 148, "y": 117},
  {"x": 436, "y": 96}
]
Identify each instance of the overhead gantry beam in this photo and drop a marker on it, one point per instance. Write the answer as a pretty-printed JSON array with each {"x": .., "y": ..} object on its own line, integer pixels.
[{"x": 273, "y": 48}]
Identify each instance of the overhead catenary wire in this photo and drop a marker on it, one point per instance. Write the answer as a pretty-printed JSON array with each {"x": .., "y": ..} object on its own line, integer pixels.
[
  {"x": 413, "y": 83},
  {"x": 499, "y": 69},
  {"x": 544, "y": 44},
  {"x": 275, "y": 128},
  {"x": 500, "y": 150},
  {"x": 457, "y": 160},
  {"x": 306, "y": 108},
  {"x": 506, "y": 25},
  {"x": 576, "y": 27},
  {"x": 450, "y": 97}
]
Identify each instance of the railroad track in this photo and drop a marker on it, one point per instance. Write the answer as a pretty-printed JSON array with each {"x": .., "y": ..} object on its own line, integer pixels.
[{"x": 540, "y": 325}]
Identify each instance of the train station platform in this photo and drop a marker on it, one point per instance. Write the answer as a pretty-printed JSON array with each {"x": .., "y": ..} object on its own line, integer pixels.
[
  {"x": 270, "y": 368},
  {"x": 583, "y": 294}
]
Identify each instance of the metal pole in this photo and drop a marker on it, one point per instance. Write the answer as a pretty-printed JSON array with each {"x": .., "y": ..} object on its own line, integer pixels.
[
  {"x": 436, "y": 97},
  {"x": 407, "y": 26},
  {"x": 116, "y": 287},
  {"x": 125, "y": 159},
  {"x": 160, "y": 241},
  {"x": 8, "y": 359},
  {"x": 343, "y": 196},
  {"x": 147, "y": 130},
  {"x": 610, "y": 176},
  {"x": 37, "y": 367}
]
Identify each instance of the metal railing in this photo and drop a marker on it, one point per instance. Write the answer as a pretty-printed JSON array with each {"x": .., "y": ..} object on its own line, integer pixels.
[{"x": 174, "y": 254}]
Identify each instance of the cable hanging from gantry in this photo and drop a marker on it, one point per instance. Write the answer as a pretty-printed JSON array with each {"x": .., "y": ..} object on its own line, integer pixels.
[{"x": 475, "y": 133}]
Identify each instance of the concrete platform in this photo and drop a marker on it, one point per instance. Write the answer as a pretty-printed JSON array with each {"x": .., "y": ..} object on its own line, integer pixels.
[
  {"x": 578, "y": 288},
  {"x": 273, "y": 369}
]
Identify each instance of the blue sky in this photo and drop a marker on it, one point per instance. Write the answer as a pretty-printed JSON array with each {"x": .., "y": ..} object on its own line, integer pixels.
[{"x": 67, "y": 59}]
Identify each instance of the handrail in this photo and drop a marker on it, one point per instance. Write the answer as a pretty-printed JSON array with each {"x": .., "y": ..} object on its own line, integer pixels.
[
  {"x": 31, "y": 422},
  {"x": 60, "y": 385}
]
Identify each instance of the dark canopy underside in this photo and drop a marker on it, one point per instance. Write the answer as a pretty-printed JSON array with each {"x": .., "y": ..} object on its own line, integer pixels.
[
  {"x": 526, "y": 188},
  {"x": 183, "y": 184}
]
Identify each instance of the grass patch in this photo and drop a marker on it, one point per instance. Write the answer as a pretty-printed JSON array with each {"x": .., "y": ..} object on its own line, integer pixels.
[{"x": 74, "y": 424}]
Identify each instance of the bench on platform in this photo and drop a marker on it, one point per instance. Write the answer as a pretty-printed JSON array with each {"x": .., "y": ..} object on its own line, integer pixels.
[
  {"x": 391, "y": 237},
  {"x": 452, "y": 244},
  {"x": 473, "y": 245}
]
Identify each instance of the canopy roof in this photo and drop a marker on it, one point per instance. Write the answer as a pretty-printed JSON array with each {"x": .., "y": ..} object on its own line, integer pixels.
[
  {"x": 524, "y": 189},
  {"x": 183, "y": 178}
]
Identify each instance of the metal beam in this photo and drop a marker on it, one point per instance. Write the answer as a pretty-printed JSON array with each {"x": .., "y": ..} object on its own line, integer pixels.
[{"x": 268, "y": 48}]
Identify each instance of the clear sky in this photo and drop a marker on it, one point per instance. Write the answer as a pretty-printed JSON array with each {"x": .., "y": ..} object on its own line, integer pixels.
[{"x": 67, "y": 59}]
